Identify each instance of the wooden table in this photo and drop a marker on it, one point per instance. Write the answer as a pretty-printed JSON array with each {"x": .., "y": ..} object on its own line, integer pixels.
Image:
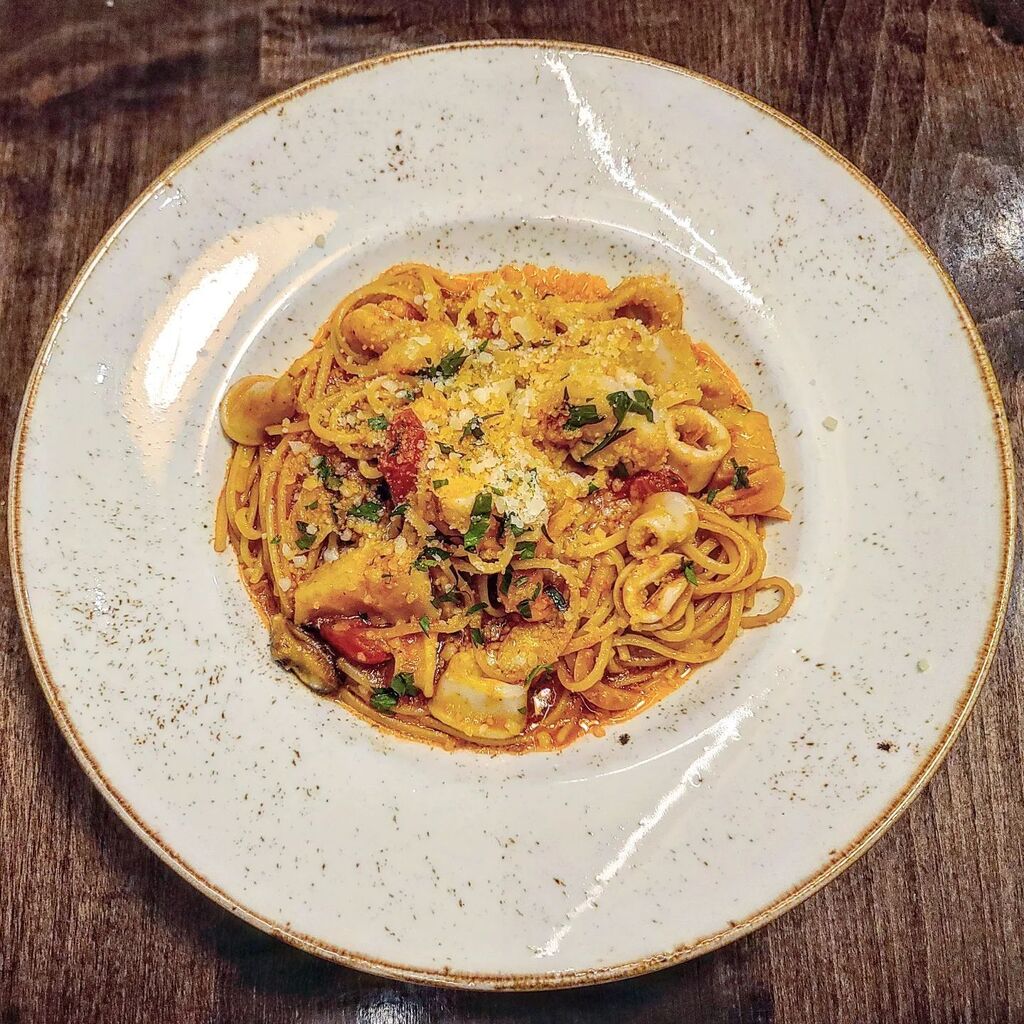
[{"x": 96, "y": 96}]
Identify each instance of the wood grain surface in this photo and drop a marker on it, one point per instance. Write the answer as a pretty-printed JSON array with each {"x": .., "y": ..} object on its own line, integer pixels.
[{"x": 96, "y": 96}]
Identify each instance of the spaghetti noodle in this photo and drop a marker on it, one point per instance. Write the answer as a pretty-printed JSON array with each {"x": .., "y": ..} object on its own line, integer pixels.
[{"x": 501, "y": 509}]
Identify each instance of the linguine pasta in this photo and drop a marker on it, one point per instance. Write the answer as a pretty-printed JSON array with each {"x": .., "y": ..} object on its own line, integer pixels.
[{"x": 501, "y": 509}]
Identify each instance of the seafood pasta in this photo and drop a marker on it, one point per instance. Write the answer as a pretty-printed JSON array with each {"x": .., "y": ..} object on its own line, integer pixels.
[{"x": 504, "y": 508}]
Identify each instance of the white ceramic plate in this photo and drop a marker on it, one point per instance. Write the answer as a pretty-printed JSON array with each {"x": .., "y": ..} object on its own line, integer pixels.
[{"x": 736, "y": 797}]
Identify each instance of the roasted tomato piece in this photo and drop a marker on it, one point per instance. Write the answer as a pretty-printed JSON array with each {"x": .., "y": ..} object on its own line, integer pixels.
[
  {"x": 406, "y": 441},
  {"x": 354, "y": 641},
  {"x": 642, "y": 485}
]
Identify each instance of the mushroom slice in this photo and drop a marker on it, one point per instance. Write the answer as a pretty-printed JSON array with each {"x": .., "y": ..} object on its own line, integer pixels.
[{"x": 296, "y": 650}]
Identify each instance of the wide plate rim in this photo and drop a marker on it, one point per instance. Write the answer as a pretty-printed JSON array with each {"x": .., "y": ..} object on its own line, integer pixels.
[{"x": 542, "y": 980}]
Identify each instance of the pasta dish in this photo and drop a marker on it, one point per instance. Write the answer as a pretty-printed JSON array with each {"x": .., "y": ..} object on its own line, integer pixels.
[{"x": 504, "y": 508}]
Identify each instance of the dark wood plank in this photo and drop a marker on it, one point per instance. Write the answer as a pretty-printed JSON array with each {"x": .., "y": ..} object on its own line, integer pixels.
[{"x": 927, "y": 96}]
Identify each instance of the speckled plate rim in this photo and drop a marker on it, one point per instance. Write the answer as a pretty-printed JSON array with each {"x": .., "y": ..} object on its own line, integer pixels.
[{"x": 565, "y": 979}]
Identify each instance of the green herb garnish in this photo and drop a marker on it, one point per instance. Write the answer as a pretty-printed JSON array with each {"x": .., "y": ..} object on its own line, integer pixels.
[
  {"x": 378, "y": 422},
  {"x": 690, "y": 573},
  {"x": 740, "y": 479},
  {"x": 438, "y": 484},
  {"x": 474, "y": 608},
  {"x": 536, "y": 671},
  {"x": 711, "y": 495},
  {"x": 445, "y": 449},
  {"x": 582, "y": 416},
  {"x": 304, "y": 540},
  {"x": 515, "y": 526},
  {"x": 474, "y": 428},
  {"x": 477, "y": 636},
  {"x": 446, "y": 368},
  {"x": 327, "y": 476},
  {"x": 429, "y": 557},
  {"x": 610, "y": 438},
  {"x": 368, "y": 510},
  {"x": 524, "y": 609},
  {"x": 557, "y": 598},
  {"x": 384, "y": 700},
  {"x": 479, "y": 520},
  {"x": 623, "y": 403},
  {"x": 400, "y": 510},
  {"x": 402, "y": 683},
  {"x": 425, "y": 624},
  {"x": 526, "y": 549}
]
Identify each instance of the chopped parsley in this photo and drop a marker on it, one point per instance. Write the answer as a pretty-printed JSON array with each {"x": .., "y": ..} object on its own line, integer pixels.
[
  {"x": 582, "y": 416},
  {"x": 474, "y": 608},
  {"x": 515, "y": 526},
  {"x": 400, "y": 510},
  {"x": 477, "y": 636},
  {"x": 740, "y": 479},
  {"x": 557, "y": 598},
  {"x": 445, "y": 449},
  {"x": 711, "y": 495},
  {"x": 446, "y": 368},
  {"x": 429, "y": 557},
  {"x": 438, "y": 484},
  {"x": 524, "y": 609},
  {"x": 276, "y": 539},
  {"x": 304, "y": 539},
  {"x": 378, "y": 422},
  {"x": 537, "y": 670},
  {"x": 327, "y": 476},
  {"x": 526, "y": 549},
  {"x": 402, "y": 684},
  {"x": 506, "y": 579},
  {"x": 313, "y": 505},
  {"x": 622, "y": 404},
  {"x": 368, "y": 510},
  {"x": 479, "y": 520},
  {"x": 610, "y": 438},
  {"x": 385, "y": 700},
  {"x": 592, "y": 488},
  {"x": 425, "y": 624},
  {"x": 452, "y": 596},
  {"x": 474, "y": 428},
  {"x": 690, "y": 573}
]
